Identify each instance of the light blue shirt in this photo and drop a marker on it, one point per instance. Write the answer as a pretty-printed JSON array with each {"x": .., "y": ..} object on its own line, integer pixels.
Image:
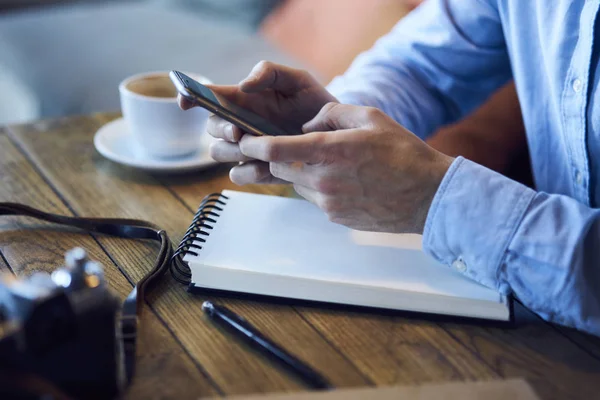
[{"x": 445, "y": 59}]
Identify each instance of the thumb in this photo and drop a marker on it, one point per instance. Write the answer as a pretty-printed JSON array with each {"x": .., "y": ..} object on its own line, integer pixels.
[
  {"x": 310, "y": 148},
  {"x": 268, "y": 75},
  {"x": 336, "y": 116},
  {"x": 229, "y": 92}
]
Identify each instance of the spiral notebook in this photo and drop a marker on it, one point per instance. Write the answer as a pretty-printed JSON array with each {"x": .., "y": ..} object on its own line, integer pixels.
[{"x": 276, "y": 247}]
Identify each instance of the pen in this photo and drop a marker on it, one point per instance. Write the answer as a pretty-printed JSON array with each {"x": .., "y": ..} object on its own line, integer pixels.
[{"x": 242, "y": 328}]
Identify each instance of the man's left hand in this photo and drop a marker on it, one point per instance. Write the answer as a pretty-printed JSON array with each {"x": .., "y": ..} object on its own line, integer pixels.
[{"x": 369, "y": 174}]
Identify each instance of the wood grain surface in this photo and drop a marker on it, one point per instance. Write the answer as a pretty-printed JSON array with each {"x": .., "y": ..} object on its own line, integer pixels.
[
  {"x": 94, "y": 186},
  {"x": 4, "y": 268},
  {"x": 53, "y": 165},
  {"x": 30, "y": 246}
]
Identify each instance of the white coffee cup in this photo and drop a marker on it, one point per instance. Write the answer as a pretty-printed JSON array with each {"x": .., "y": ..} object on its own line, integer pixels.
[{"x": 159, "y": 128}]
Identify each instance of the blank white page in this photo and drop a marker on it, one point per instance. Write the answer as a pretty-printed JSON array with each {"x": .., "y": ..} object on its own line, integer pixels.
[{"x": 292, "y": 237}]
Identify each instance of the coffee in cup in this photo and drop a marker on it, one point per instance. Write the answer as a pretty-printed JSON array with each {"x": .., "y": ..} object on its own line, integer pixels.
[
  {"x": 159, "y": 128},
  {"x": 153, "y": 86}
]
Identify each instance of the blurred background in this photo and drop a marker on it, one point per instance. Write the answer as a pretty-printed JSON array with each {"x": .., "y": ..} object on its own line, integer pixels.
[{"x": 66, "y": 57}]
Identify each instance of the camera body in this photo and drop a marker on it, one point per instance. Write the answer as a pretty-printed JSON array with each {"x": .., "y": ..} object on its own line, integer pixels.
[{"x": 62, "y": 328}]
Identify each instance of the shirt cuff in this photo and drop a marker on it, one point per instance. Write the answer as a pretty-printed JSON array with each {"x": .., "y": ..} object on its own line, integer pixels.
[{"x": 472, "y": 219}]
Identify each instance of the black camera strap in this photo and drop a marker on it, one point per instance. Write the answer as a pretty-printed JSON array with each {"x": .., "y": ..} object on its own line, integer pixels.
[{"x": 124, "y": 228}]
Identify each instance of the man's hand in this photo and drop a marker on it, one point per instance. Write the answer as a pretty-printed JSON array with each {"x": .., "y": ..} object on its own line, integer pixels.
[
  {"x": 369, "y": 174},
  {"x": 285, "y": 96}
]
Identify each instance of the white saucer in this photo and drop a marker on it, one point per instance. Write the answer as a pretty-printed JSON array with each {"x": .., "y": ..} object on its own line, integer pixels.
[{"x": 114, "y": 142}]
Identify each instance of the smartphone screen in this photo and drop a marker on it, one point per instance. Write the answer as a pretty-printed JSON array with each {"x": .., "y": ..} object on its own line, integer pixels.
[{"x": 206, "y": 98}]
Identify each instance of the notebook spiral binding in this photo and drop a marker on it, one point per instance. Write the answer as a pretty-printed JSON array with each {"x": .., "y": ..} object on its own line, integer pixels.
[{"x": 196, "y": 234}]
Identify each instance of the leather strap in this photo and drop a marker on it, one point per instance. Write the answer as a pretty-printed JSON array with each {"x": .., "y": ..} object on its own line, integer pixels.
[{"x": 125, "y": 228}]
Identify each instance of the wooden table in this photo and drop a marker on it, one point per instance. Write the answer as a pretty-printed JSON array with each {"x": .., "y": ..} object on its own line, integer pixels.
[{"x": 53, "y": 165}]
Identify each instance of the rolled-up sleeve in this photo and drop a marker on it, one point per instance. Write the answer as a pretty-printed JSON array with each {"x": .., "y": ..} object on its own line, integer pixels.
[
  {"x": 437, "y": 64},
  {"x": 543, "y": 248}
]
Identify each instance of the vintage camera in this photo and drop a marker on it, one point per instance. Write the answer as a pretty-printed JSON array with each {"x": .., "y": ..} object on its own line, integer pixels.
[{"x": 60, "y": 328}]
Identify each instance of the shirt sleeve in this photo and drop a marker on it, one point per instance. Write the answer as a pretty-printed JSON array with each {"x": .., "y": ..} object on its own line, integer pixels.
[
  {"x": 437, "y": 64},
  {"x": 543, "y": 248}
]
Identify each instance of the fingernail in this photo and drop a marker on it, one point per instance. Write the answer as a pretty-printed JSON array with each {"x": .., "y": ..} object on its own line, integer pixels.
[
  {"x": 229, "y": 132},
  {"x": 234, "y": 176}
]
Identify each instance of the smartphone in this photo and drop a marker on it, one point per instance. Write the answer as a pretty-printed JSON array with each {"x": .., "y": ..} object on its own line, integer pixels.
[{"x": 204, "y": 97}]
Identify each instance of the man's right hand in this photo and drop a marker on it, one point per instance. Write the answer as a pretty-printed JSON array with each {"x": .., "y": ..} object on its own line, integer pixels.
[{"x": 285, "y": 96}]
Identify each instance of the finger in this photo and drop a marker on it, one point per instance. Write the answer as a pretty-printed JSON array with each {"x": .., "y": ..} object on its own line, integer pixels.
[
  {"x": 268, "y": 75},
  {"x": 185, "y": 103},
  {"x": 309, "y": 148},
  {"x": 296, "y": 173},
  {"x": 336, "y": 116},
  {"x": 271, "y": 180},
  {"x": 219, "y": 128},
  {"x": 252, "y": 172},
  {"x": 308, "y": 193},
  {"x": 223, "y": 151}
]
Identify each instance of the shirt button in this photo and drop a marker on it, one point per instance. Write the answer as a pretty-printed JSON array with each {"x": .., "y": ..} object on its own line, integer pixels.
[
  {"x": 504, "y": 289},
  {"x": 459, "y": 265},
  {"x": 578, "y": 178},
  {"x": 577, "y": 85}
]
